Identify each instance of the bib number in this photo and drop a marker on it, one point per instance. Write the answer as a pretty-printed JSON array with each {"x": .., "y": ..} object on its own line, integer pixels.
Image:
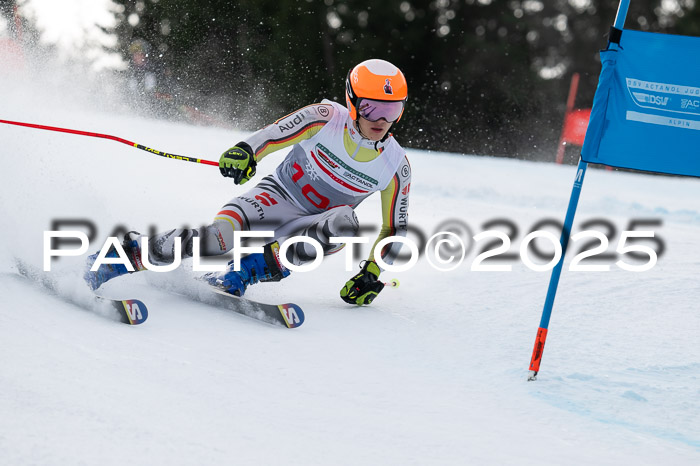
[{"x": 313, "y": 196}]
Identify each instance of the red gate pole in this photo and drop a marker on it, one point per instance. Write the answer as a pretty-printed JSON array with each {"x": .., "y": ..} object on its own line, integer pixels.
[{"x": 573, "y": 90}]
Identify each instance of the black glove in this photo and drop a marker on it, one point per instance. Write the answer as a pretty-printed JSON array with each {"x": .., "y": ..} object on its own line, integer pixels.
[
  {"x": 363, "y": 287},
  {"x": 238, "y": 163}
]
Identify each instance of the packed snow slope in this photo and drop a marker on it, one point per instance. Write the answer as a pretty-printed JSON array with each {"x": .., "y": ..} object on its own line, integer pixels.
[{"x": 433, "y": 372}]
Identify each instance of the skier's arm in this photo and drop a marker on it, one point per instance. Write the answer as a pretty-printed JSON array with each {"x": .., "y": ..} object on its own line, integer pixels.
[
  {"x": 394, "y": 213},
  {"x": 364, "y": 287},
  {"x": 240, "y": 161},
  {"x": 289, "y": 130}
]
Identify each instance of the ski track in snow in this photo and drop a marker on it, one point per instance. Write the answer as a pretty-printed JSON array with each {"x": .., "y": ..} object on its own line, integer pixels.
[{"x": 433, "y": 373}]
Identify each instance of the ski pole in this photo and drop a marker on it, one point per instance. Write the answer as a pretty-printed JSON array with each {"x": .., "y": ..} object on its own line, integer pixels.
[
  {"x": 113, "y": 138},
  {"x": 393, "y": 283}
]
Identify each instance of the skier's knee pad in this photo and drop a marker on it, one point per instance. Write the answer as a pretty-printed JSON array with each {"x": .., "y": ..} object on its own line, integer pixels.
[
  {"x": 337, "y": 222},
  {"x": 217, "y": 238},
  {"x": 343, "y": 221}
]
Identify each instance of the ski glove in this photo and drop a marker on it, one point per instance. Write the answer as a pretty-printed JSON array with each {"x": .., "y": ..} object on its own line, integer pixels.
[
  {"x": 363, "y": 287},
  {"x": 238, "y": 163}
]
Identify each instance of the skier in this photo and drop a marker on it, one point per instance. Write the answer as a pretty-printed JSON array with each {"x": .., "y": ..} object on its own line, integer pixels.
[{"x": 340, "y": 157}]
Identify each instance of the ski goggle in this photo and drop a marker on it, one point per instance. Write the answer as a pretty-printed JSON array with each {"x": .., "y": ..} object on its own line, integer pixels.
[{"x": 375, "y": 110}]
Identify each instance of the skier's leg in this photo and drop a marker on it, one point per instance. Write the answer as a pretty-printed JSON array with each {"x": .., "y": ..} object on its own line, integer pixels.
[
  {"x": 215, "y": 239},
  {"x": 267, "y": 207},
  {"x": 258, "y": 209},
  {"x": 266, "y": 266}
]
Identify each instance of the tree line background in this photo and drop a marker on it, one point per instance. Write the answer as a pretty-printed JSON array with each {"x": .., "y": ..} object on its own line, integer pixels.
[{"x": 485, "y": 76}]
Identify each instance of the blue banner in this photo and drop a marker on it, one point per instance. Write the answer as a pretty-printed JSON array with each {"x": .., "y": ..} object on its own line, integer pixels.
[{"x": 646, "y": 110}]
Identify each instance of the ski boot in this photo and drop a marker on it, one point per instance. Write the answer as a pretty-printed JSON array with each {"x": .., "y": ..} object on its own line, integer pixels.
[
  {"x": 259, "y": 267},
  {"x": 106, "y": 272}
]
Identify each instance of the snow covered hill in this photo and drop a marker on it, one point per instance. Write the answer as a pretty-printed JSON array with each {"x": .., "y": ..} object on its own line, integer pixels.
[{"x": 432, "y": 373}]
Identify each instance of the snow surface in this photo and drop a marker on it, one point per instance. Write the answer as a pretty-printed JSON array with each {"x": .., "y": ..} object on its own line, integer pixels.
[{"x": 432, "y": 373}]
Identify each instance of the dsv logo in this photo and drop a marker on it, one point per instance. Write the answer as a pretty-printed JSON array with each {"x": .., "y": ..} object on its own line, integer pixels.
[{"x": 652, "y": 99}]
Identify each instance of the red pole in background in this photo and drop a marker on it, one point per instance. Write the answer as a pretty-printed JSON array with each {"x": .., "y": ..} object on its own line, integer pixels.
[
  {"x": 573, "y": 130},
  {"x": 11, "y": 52},
  {"x": 18, "y": 24},
  {"x": 573, "y": 90}
]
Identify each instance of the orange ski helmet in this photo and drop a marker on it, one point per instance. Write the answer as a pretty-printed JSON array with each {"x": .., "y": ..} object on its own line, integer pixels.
[{"x": 379, "y": 81}]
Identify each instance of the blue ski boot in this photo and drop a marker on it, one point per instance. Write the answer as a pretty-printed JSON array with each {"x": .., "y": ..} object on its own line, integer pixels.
[
  {"x": 259, "y": 267},
  {"x": 106, "y": 272}
]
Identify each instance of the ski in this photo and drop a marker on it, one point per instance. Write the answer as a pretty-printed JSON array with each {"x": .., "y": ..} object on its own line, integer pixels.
[
  {"x": 287, "y": 315},
  {"x": 130, "y": 311},
  {"x": 127, "y": 311}
]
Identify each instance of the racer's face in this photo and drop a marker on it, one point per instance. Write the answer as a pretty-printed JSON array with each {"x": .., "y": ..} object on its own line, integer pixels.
[{"x": 374, "y": 130}]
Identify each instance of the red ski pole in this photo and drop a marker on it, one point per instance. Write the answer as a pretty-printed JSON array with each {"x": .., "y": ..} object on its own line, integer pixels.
[{"x": 113, "y": 138}]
